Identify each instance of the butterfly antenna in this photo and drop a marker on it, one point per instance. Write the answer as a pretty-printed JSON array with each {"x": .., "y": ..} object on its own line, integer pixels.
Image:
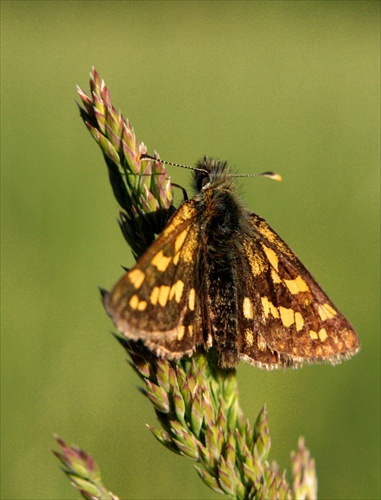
[
  {"x": 271, "y": 175},
  {"x": 148, "y": 157}
]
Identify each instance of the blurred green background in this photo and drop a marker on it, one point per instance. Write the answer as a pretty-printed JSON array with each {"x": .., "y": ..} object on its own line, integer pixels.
[{"x": 286, "y": 86}]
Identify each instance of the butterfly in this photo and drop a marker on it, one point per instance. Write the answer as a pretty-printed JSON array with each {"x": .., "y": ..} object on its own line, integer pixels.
[{"x": 218, "y": 277}]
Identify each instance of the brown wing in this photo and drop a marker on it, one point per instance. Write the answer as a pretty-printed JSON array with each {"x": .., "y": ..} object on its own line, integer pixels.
[
  {"x": 285, "y": 317},
  {"x": 157, "y": 300}
]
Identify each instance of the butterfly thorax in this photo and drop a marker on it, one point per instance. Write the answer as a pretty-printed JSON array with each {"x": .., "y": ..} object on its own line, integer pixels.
[{"x": 222, "y": 221}]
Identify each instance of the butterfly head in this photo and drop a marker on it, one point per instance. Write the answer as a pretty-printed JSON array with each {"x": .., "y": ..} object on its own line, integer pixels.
[{"x": 211, "y": 172}]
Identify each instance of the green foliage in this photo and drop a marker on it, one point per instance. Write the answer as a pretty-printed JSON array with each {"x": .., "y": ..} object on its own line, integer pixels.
[{"x": 142, "y": 190}]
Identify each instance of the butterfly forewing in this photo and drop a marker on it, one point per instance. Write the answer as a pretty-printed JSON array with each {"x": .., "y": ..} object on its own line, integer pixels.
[
  {"x": 287, "y": 319},
  {"x": 157, "y": 300}
]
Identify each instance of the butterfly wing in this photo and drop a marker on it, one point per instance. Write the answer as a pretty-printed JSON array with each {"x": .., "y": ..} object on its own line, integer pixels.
[
  {"x": 156, "y": 300},
  {"x": 285, "y": 317}
]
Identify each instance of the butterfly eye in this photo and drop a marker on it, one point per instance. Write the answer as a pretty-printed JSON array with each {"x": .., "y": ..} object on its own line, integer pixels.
[{"x": 202, "y": 180}]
